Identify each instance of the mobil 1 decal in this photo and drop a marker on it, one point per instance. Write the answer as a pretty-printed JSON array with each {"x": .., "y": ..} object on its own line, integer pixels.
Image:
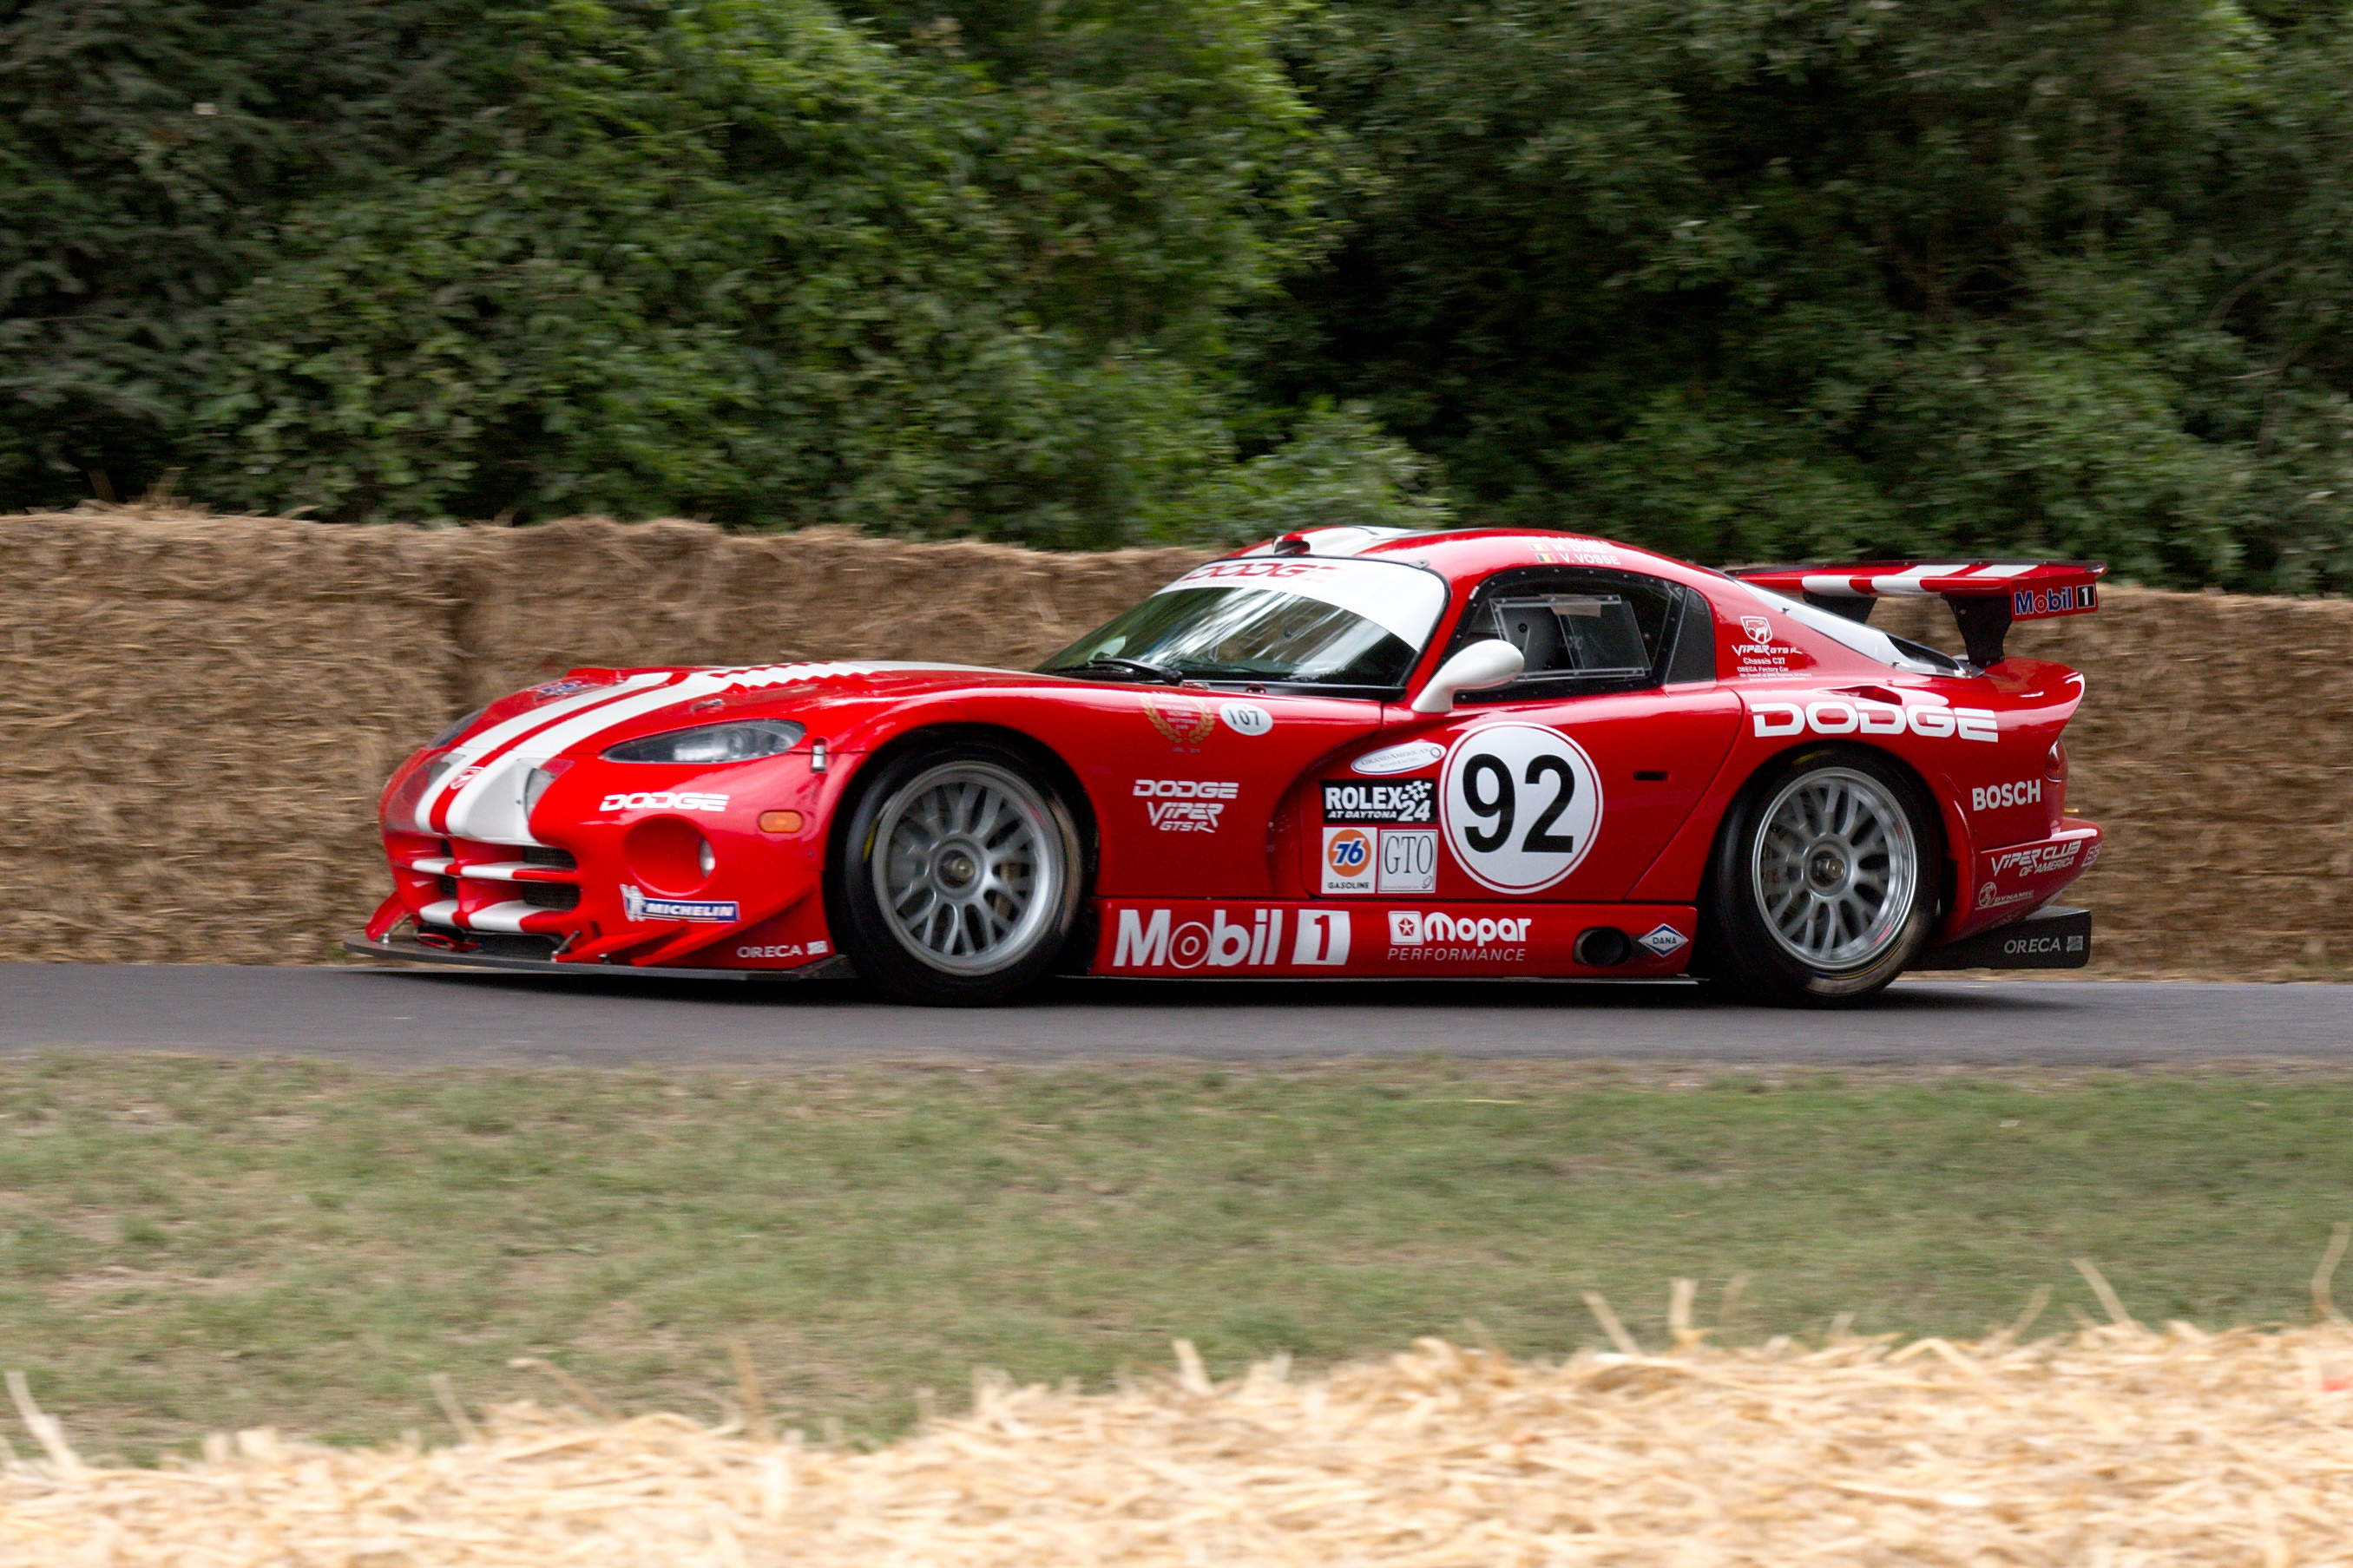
[{"x": 1520, "y": 804}]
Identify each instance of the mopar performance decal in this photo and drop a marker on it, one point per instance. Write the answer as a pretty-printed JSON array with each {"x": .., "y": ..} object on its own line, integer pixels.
[
  {"x": 643, "y": 906},
  {"x": 1409, "y": 800}
]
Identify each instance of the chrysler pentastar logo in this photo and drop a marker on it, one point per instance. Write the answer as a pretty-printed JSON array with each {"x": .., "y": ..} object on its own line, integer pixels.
[{"x": 1181, "y": 719}]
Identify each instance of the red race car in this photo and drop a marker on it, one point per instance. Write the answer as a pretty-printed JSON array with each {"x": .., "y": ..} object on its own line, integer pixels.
[{"x": 1349, "y": 752}]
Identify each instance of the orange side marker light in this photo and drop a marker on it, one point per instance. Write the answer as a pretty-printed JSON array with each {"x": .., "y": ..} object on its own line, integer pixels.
[{"x": 780, "y": 822}]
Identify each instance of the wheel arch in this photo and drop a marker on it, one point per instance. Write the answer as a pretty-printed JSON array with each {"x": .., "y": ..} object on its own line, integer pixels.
[{"x": 1946, "y": 824}]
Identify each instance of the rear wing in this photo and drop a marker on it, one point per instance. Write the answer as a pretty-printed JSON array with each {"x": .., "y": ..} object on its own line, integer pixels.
[{"x": 1986, "y": 596}]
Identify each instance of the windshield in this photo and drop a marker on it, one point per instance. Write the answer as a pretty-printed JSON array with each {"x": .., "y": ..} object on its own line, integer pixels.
[{"x": 1320, "y": 621}]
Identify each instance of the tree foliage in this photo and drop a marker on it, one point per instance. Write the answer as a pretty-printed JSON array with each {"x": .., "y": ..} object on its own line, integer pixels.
[{"x": 1742, "y": 278}]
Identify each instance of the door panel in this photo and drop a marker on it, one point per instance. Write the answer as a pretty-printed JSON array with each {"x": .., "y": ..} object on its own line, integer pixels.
[
  {"x": 1187, "y": 795},
  {"x": 1557, "y": 799}
]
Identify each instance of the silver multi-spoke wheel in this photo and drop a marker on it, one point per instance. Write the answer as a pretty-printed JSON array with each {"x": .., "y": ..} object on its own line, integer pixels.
[
  {"x": 1836, "y": 863},
  {"x": 968, "y": 868}
]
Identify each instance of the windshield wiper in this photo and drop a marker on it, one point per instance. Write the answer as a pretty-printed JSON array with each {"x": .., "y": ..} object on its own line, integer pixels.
[{"x": 1112, "y": 664}]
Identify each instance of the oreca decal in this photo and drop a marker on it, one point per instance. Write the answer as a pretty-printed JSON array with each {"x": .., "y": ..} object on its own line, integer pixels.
[
  {"x": 1861, "y": 716},
  {"x": 1521, "y": 805}
]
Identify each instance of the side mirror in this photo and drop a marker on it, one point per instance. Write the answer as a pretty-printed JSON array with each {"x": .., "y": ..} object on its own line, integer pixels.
[{"x": 1475, "y": 668}]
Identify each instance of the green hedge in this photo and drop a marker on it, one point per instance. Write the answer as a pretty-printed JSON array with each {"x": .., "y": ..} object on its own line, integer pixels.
[{"x": 1746, "y": 278}]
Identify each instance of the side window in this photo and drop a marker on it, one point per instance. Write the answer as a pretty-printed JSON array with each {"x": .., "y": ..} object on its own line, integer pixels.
[{"x": 1588, "y": 630}]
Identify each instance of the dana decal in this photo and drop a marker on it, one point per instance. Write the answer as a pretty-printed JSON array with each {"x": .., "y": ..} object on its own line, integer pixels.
[
  {"x": 1186, "y": 806},
  {"x": 663, "y": 800},
  {"x": 1417, "y": 935},
  {"x": 1408, "y": 800},
  {"x": 1861, "y": 716},
  {"x": 2039, "y": 861},
  {"x": 1156, "y": 939},
  {"x": 1661, "y": 939},
  {"x": 641, "y": 906},
  {"x": 1995, "y": 798}
]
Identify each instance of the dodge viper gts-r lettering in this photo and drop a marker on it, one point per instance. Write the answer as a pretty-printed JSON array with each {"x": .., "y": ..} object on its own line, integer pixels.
[{"x": 1554, "y": 755}]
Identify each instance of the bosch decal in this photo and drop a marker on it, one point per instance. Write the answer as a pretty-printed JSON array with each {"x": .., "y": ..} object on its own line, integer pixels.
[
  {"x": 1409, "y": 800},
  {"x": 1861, "y": 716},
  {"x": 663, "y": 800},
  {"x": 1998, "y": 798},
  {"x": 643, "y": 906}
]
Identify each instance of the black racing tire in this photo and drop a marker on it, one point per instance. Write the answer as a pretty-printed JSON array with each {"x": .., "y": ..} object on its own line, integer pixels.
[
  {"x": 1823, "y": 884},
  {"x": 957, "y": 876}
]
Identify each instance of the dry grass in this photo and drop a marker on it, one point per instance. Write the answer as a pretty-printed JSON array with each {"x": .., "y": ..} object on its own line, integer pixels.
[
  {"x": 2115, "y": 1444},
  {"x": 202, "y": 709}
]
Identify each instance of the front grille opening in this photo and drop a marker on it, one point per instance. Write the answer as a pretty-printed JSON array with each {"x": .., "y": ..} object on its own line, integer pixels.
[
  {"x": 448, "y": 886},
  {"x": 549, "y": 895},
  {"x": 556, "y": 859}
]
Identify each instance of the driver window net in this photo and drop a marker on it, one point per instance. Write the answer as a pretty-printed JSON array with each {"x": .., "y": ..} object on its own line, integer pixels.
[{"x": 1575, "y": 634}]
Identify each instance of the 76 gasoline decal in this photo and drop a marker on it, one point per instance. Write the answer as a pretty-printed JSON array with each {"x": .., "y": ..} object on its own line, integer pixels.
[{"x": 1521, "y": 803}]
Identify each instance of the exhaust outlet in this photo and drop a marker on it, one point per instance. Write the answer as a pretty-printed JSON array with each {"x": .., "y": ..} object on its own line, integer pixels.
[{"x": 1602, "y": 947}]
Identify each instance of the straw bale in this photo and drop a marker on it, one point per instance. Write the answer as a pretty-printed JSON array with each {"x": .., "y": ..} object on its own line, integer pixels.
[
  {"x": 199, "y": 710},
  {"x": 2116, "y": 1446},
  {"x": 593, "y": 592}
]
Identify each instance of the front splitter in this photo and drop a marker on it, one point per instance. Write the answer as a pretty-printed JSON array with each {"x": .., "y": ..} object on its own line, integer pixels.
[{"x": 413, "y": 951}]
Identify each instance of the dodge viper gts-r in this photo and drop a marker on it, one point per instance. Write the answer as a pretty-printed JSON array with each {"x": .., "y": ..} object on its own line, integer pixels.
[{"x": 1347, "y": 751}]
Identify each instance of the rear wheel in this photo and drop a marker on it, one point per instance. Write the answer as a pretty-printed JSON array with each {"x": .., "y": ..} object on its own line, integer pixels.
[
  {"x": 957, "y": 881},
  {"x": 1823, "y": 885}
]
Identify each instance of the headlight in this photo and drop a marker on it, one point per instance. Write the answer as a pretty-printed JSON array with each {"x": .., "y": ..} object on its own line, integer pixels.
[
  {"x": 736, "y": 743},
  {"x": 454, "y": 730}
]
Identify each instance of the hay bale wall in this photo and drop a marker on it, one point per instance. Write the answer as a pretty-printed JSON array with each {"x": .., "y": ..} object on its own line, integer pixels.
[{"x": 200, "y": 709}]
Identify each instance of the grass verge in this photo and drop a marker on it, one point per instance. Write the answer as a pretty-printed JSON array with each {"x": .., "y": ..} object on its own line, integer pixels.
[{"x": 187, "y": 1247}]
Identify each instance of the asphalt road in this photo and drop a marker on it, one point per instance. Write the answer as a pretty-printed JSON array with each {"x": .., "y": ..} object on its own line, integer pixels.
[{"x": 394, "y": 1018}]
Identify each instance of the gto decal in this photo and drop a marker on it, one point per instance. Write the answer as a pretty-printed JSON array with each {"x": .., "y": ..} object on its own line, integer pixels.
[
  {"x": 1409, "y": 860},
  {"x": 1522, "y": 803},
  {"x": 1861, "y": 716}
]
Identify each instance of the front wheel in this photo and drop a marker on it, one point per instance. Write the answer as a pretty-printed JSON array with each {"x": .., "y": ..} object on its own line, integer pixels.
[
  {"x": 1823, "y": 886},
  {"x": 957, "y": 881}
]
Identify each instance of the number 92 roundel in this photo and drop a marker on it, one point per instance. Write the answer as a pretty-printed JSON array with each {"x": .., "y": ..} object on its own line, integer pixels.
[{"x": 1521, "y": 803}]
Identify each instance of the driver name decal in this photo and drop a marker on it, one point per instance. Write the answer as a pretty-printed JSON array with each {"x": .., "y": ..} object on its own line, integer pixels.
[{"x": 1522, "y": 803}]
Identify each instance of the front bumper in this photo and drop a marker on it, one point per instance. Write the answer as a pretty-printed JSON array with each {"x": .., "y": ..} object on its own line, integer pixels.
[{"x": 408, "y": 950}]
